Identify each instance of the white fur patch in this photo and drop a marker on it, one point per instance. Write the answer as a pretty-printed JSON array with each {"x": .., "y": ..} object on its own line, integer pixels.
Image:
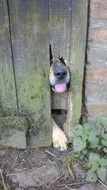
[
  {"x": 52, "y": 79},
  {"x": 58, "y": 137}
]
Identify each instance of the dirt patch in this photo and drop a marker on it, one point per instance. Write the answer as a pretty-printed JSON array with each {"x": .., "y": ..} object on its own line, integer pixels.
[{"x": 41, "y": 169}]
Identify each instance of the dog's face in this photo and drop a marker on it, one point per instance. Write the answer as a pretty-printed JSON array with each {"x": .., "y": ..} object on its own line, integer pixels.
[{"x": 59, "y": 75}]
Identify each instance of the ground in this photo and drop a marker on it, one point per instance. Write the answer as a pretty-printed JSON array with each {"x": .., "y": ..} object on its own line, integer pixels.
[{"x": 41, "y": 169}]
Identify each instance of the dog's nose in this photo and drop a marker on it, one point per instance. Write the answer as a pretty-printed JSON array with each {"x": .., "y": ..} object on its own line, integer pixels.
[{"x": 60, "y": 74}]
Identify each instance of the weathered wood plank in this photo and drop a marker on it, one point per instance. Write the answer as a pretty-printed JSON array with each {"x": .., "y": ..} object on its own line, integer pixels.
[
  {"x": 60, "y": 29},
  {"x": 59, "y": 101},
  {"x": 29, "y": 28},
  {"x": 60, "y": 25},
  {"x": 77, "y": 54},
  {"x": 13, "y": 128},
  {"x": 7, "y": 86}
]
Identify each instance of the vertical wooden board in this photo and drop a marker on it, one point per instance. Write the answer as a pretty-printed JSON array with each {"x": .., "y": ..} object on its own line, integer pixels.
[
  {"x": 7, "y": 86},
  {"x": 29, "y": 29},
  {"x": 78, "y": 40},
  {"x": 60, "y": 29},
  {"x": 59, "y": 22}
]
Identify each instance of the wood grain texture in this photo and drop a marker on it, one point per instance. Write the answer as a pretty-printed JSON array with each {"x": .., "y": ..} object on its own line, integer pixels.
[
  {"x": 59, "y": 101},
  {"x": 77, "y": 58},
  {"x": 7, "y": 86},
  {"x": 60, "y": 31},
  {"x": 29, "y": 30},
  {"x": 60, "y": 26}
]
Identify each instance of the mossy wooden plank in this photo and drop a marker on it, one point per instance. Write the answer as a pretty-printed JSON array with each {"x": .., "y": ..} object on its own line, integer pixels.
[
  {"x": 29, "y": 29},
  {"x": 77, "y": 54},
  {"x": 60, "y": 29},
  {"x": 13, "y": 131},
  {"x": 7, "y": 86}
]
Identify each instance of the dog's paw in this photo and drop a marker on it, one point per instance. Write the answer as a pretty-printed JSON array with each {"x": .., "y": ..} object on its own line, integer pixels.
[{"x": 59, "y": 139}]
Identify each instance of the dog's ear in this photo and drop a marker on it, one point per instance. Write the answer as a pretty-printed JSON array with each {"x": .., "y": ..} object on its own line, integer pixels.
[{"x": 61, "y": 59}]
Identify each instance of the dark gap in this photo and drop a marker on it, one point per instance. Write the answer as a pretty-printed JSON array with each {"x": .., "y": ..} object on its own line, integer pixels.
[
  {"x": 50, "y": 53},
  {"x": 11, "y": 47},
  {"x": 59, "y": 111},
  {"x": 84, "y": 112},
  {"x": 59, "y": 116}
]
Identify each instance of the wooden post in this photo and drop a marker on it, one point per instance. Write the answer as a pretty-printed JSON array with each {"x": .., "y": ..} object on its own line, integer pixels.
[
  {"x": 8, "y": 101},
  {"x": 68, "y": 25},
  {"x": 77, "y": 60},
  {"x": 29, "y": 34}
]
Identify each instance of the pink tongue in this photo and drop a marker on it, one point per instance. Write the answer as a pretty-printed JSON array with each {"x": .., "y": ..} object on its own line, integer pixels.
[{"x": 60, "y": 87}]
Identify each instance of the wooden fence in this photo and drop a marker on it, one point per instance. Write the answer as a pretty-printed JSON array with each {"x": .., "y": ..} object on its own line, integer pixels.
[{"x": 26, "y": 30}]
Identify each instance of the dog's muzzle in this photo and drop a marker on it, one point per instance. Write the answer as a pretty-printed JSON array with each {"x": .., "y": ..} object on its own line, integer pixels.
[
  {"x": 61, "y": 74},
  {"x": 59, "y": 77},
  {"x": 60, "y": 85},
  {"x": 59, "y": 81}
]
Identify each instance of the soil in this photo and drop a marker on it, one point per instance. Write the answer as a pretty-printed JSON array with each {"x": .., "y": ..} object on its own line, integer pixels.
[{"x": 43, "y": 168}]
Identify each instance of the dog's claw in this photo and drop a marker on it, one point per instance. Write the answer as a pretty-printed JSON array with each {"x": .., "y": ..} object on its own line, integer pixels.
[{"x": 59, "y": 138}]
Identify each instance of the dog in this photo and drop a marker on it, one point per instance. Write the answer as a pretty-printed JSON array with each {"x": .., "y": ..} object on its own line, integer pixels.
[{"x": 59, "y": 78}]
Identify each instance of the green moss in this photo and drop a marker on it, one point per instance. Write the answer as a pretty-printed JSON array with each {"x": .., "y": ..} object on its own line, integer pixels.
[
  {"x": 70, "y": 157},
  {"x": 7, "y": 87},
  {"x": 76, "y": 109},
  {"x": 13, "y": 122}
]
